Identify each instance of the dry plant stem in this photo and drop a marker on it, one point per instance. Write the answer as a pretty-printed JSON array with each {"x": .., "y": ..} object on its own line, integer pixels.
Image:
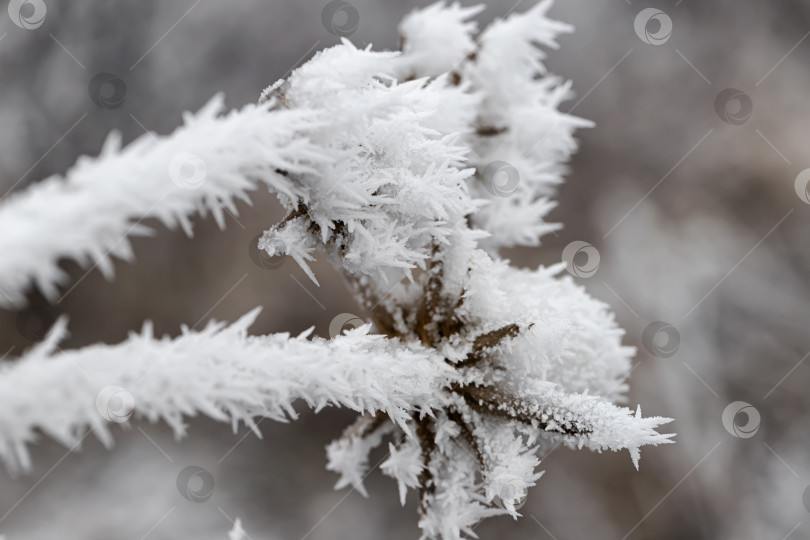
[
  {"x": 485, "y": 342},
  {"x": 490, "y": 131},
  {"x": 436, "y": 317},
  {"x": 426, "y": 436},
  {"x": 426, "y": 315},
  {"x": 382, "y": 318},
  {"x": 300, "y": 210}
]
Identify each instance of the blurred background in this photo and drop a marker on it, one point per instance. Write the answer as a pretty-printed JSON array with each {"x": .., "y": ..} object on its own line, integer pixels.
[{"x": 687, "y": 187}]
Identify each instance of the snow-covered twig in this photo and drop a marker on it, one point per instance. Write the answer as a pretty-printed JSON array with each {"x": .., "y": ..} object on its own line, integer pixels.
[
  {"x": 219, "y": 371},
  {"x": 88, "y": 214}
]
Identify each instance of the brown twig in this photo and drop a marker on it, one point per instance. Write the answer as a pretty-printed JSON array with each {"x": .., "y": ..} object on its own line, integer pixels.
[
  {"x": 427, "y": 441},
  {"x": 490, "y": 131},
  {"x": 485, "y": 342},
  {"x": 426, "y": 315},
  {"x": 382, "y": 318}
]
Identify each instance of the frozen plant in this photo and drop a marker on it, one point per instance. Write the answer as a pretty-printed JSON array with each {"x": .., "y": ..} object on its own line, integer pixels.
[{"x": 410, "y": 170}]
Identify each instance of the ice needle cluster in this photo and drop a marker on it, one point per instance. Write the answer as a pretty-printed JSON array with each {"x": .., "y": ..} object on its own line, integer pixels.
[{"x": 410, "y": 170}]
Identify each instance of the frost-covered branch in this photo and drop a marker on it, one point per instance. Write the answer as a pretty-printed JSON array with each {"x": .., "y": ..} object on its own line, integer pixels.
[
  {"x": 410, "y": 170},
  {"x": 219, "y": 371},
  {"x": 520, "y": 140},
  {"x": 88, "y": 214},
  {"x": 579, "y": 420},
  {"x": 396, "y": 181}
]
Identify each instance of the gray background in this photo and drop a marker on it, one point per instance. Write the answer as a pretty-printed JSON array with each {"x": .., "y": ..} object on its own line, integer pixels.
[{"x": 696, "y": 220}]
